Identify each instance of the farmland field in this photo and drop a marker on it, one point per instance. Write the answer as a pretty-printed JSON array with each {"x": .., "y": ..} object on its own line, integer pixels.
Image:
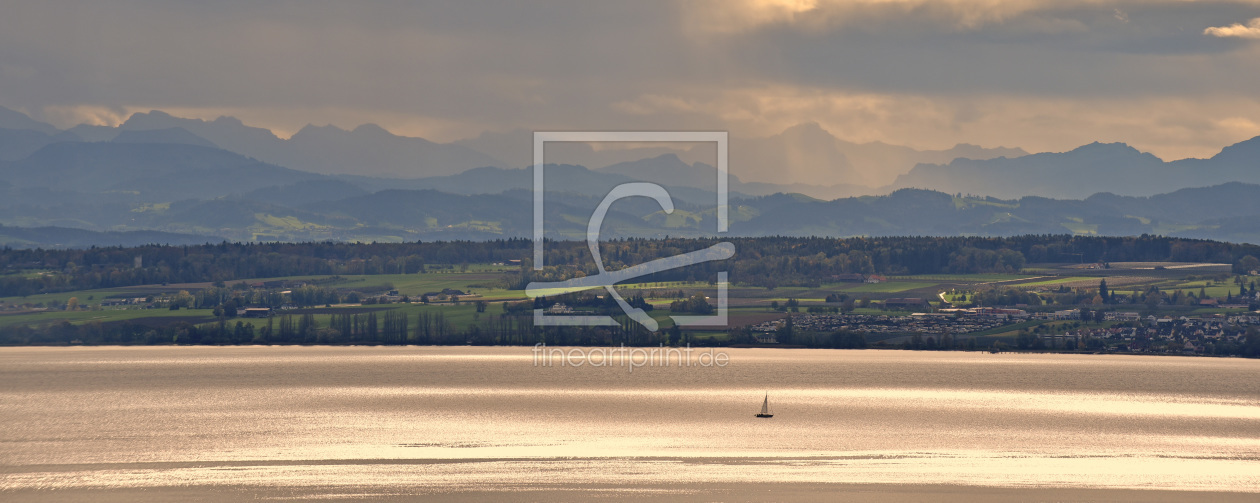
[
  {"x": 1084, "y": 282},
  {"x": 883, "y": 287},
  {"x": 964, "y": 278},
  {"x": 1055, "y": 282},
  {"x": 749, "y": 304},
  {"x": 104, "y": 316}
]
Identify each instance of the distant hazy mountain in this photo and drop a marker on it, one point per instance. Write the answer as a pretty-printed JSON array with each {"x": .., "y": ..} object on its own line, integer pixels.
[
  {"x": 160, "y": 173},
  {"x": 516, "y": 149},
  {"x": 372, "y": 151},
  {"x": 671, "y": 171},
  {"x": 808, "y": 154},
  {"x": 668, "y": 169},
  {"x": 13, "y": 119},
  {"x": 175, "y": 135},
  {"x": 311, "y": 210},
  {"x": 801, "y": 156},
  {"x": 368, "y": 150},
  {"x": 558, "y": 178},
  {"x": 887, "y": 161},
  {"x": 1214, "y": 212},
  {"x": 189, "y": 190},
  {"x": 17, "y": 144},
  {"x": 429, "y": 214},
  {"x": 240, "y": 219},
  {"x": 61, "y": 237},
  {"x": 164, "y": 172},
  {"x": 804, "y": 158},
  {"x": 1093, "y": 168},
  {"x": 306, "y": 192},
  {"x": 88, "y": 132},
  {"x": 228, "y": 133}
]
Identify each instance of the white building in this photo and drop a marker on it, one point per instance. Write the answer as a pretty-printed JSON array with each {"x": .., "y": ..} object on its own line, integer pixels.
[{"x": 1069, "y": 314}]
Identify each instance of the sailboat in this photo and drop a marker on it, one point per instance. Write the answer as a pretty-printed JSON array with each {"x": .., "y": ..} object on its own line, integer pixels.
[{"x": 765, "y": 407}]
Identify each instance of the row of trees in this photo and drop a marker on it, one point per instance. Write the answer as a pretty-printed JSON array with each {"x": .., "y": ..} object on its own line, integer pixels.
[
  {"x": 1150, "y": 298},
  {"x": 432, "y": 328},
  {"x": 80, "y": 269},
  {"x": 388, "y": 327},
  {"x": 767, "y": 261}
]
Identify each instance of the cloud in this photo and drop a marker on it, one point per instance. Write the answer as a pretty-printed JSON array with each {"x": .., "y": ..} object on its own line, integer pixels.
[
  {"x": 734, "y": 16},
  {"x": 1251, "y": 30},
  {"x": 93, "y": 115},
  {"x": 1169, "y": 127},
  {"x": 725, "y": 16},
  {"x": 1040, "y": 74}
]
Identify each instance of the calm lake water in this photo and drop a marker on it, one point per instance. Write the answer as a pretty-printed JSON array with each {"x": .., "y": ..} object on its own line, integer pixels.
[{"x": 322, "y": 422}]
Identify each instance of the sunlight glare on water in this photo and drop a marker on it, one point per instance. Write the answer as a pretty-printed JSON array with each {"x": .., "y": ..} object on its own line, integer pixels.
[{"x": 448, "y": 419}]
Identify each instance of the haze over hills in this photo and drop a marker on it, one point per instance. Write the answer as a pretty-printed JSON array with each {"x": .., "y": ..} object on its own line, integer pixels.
[
  {"x": 174, "y": 135},
  {"x": 366, "y": 150},
  {"x": 1112, "y": 167},
  {"x": 183, "y": 177},
  {"x": 62, "y": 237},
  {"x": 13, "y": 119},
  {"x": 805, "y": 157},
  {"x": 157, "y": 172},
  {"x": 807, "y": 153},
  {"x": 18, "y": 144},
  {"x": 313, "y": 210}
]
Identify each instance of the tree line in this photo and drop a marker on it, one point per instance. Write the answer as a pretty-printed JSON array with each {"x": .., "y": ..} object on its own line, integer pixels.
[{"x": 764, "y": 261}]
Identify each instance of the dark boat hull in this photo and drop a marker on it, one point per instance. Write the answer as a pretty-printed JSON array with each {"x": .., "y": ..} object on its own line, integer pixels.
[{"x": 765, "y": 415}]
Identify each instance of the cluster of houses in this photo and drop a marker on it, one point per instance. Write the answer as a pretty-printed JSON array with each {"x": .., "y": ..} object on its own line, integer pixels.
[
  {"x": 253, "y": 312},
  {"x": 445, "y": 291},
  {"x": 559, "y": 308},
  {"x": 128, "y": 301},
  {"x": 907, "y": 303},
  {"x": 925, "y": 323},
  {"x": 1187, "y": 335},
  {"x": 19, "y": 308}
]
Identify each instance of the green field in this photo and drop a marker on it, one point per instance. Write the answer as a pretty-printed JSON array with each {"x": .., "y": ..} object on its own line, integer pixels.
[
  {"x": 104, "y": 316},
  {"x": 487, "y": 282},
  {"x": 1056, "y": 281},
  {"x": 83, "y": 295},
  {"x": 1216, "y": 289},
  {"x": 964, "y": 278},
  {"x": 884, "y": 287}
]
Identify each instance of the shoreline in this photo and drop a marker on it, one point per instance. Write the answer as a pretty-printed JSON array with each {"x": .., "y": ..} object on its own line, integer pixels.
[{"x": 735, "y": 346}]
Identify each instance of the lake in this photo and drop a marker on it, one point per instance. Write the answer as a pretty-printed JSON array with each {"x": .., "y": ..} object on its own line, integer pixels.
[{"x": 466, "y": 424}]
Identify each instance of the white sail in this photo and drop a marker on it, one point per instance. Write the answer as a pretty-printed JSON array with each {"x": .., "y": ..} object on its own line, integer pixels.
[{"x": 765, "y": 405}]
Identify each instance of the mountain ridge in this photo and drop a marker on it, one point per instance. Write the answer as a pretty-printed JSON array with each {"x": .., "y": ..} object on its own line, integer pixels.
[{"x": 1085, "y": 170}]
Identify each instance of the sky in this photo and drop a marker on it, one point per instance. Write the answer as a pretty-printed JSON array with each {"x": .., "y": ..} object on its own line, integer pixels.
[{"x": 1172, "y": 77}]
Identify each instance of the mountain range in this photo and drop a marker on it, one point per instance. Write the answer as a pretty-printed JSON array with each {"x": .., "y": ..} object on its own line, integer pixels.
[
  {"x": 1110, "y": 167},
  {"x": 804, "y": 158},
  {"x": 182, "y": 180}
]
